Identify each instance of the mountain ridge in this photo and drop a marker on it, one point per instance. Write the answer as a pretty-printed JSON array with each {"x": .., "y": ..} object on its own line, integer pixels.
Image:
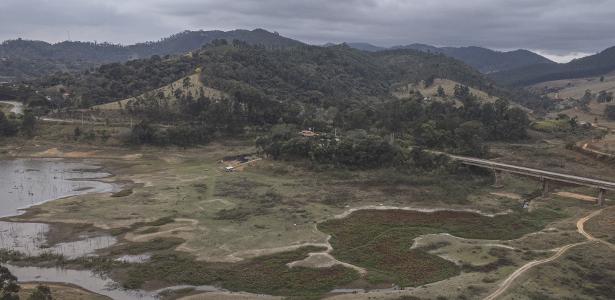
[
  {"x": 483, "y": 59},
  {"x": 593, "y": 65},
  {"x": 27, "y": 59}
]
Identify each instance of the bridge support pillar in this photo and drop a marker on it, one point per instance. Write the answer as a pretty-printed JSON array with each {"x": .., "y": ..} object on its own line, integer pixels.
[
  {"x": 498, "y": 179},
  {"x": 601, "y": 196},
  {"x": 546, "y": 188}
]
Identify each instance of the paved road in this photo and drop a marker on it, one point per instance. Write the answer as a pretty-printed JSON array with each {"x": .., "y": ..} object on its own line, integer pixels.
[
  {"x": 560, "y": 251},
  {"x": 602, "y": 184},
  {"x": 17, "y": 107}
]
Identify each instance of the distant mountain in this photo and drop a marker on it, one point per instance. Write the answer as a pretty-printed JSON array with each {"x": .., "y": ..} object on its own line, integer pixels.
[
  {"x": 594, "y": 65},
  {"x": 366, "y": 47},
  {"x": 483, "y": 59},
  {"x": 25, "y": 59}
]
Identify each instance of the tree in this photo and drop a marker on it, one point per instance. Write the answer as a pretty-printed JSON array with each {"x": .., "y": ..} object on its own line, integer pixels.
[
  {"x": 609, "y": 112},
  {"x": 28, "y": 125},
  {"x": 76, "y": 133},
  {"x": 7, "y": 128},
  {"x": 8, "y": 285},
  {"x": 587, "y": 96},
  {"x": 441, "y": 92},
  {"x": 42, "y": 292},
  {"x": 603, "y": 97},
  {"x": 429, "y": 81},
  {"x": 470, "y": 137}
]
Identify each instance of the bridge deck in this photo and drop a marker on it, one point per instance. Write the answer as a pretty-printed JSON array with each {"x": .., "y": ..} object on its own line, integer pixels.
[{"x": 596, "y": 183}]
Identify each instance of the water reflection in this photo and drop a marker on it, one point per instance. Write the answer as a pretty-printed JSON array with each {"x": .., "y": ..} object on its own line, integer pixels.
[
  {"x": 27, "y": 182},
  {"x": 84, "y": 279}
]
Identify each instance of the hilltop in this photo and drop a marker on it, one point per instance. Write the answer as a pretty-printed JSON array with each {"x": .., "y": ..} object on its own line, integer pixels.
[
  {"x": 483, "y": 59},
  {"x": 26, "y": 59},
  {"x": 594, "y": 65}
]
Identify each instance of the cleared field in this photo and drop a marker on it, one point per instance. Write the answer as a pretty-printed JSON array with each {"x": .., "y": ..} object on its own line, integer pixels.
[
  {"x": 188, "y": 85},
  {"x": 575, "y": 88},
  {"x": 432, "y": 91}
]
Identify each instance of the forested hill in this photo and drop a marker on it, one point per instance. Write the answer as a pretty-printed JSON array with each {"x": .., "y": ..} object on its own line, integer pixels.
[
  {"x": 483, "y": 59},
  {"x": 278, "y": 91},
  {"x": 594, "y": 65},
  {"x": 25, "y": 59},
  {"x": 304, "y": 74}
]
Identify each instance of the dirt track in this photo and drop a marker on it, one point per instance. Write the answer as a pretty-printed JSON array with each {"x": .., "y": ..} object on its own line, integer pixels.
[{"x": 560, "y": 251}]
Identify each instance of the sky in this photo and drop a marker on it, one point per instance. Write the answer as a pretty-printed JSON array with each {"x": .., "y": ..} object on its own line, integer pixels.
[{"x": 559, "y": 29}]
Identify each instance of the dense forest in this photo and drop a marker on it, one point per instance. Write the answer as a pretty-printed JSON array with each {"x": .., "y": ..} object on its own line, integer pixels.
[
  {"x": 25, "y": 59},
  {"x": 300, "y": 74},
  {"x": 341, "y": 94}
]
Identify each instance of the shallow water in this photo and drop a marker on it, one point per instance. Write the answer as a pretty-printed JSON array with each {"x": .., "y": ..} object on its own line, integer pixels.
[
  {"x": 27, "y": 182},
  {"x": 84, "y": 279},
  {"x": 29, "y": 238}
]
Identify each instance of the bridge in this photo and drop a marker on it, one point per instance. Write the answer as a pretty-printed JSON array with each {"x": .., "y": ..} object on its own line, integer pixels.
[{"x": 545, "y": 176}]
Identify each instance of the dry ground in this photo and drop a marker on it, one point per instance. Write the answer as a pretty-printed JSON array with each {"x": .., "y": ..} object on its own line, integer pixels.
[
  {"x": 61, "y": 291},
  {"x": 274, "y": 206}
]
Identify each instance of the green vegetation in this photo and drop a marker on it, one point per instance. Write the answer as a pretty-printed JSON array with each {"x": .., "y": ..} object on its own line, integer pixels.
[
  {"x": 26, "y": 59},
  {"x": 41, "y": 292},
  {"x": 380, "y": 240},
  {"x": 26, "y": 125},
  {"x": 265, "y": 275},
  {"x": 8, "y": 285}
]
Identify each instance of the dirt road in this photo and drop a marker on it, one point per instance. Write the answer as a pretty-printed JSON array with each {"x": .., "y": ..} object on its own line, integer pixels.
[{"x": 559, "y": 252}]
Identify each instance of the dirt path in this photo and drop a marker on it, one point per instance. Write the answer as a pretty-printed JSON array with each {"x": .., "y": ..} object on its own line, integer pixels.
[{"x": 560, "y": 251}]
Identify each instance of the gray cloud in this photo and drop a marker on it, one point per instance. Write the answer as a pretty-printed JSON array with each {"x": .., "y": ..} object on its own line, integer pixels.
[{"x": 556, "y": 27}]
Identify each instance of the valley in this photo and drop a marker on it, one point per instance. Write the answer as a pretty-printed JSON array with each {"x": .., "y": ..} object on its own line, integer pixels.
[
  {"x": 243, "y": 164},
  {"x": 183, "y": 204}
]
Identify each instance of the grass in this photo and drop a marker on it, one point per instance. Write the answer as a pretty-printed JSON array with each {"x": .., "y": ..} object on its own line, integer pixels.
[
  {"x": 552, "y": 125},
  {"x": 265, "y": 275},
  {"x": 380, "y": 240},
  {"x": 585, "y": 272}
]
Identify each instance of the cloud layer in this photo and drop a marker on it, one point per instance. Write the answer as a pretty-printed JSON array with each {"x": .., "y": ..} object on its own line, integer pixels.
[{"x": 557, "y": 27}]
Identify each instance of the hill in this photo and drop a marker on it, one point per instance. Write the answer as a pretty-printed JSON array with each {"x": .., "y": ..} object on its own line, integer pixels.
[
  {"x": 483, "y": 59},
  {"x": 25, "y": 59},
  {"x": 576, "y": 87},
  {"x": 249, "y": 88},
  {"x": 594, "y": 65},
  {"x": 305, "y": 74}
]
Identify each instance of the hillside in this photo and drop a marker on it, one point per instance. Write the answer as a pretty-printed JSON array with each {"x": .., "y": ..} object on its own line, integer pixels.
[
  {"x": 576, "y": 87},
  {"x": 24, "y": 59},
  {"x": 483, "y": 59},
  {"x": 307, "y": 74},
  {"x": 594, "y": 65},
  {"x": 189, "y": 85}
]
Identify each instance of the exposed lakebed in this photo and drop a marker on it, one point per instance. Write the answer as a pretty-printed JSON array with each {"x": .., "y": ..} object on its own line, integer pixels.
[{"x": 28, "y": 182}]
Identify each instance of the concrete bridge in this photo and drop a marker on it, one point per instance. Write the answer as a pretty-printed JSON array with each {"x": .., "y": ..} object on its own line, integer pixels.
[{"x": 545, "y": 176}]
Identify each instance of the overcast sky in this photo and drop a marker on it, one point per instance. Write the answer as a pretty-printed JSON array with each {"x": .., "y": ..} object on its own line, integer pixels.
[{"x": 560, "y": 29}]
